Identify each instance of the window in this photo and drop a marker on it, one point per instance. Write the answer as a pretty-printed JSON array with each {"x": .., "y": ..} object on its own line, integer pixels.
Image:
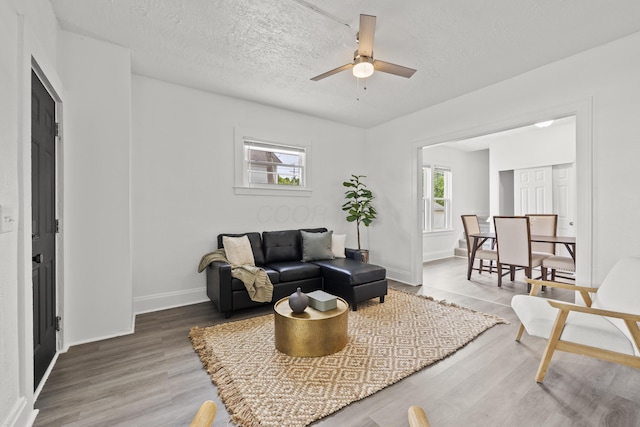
[
  {"x": 274, "y": 164},
  {"x": 271, "y": 168},
  {"x": 436, "y": 198}
]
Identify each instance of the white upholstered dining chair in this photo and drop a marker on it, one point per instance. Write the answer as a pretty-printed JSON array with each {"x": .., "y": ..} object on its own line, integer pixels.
[
  {"x": 557, "y": 262},
  {"x": 543, "y": 225},
  {"x": 513, "y": 239},
  {"x": 547, "y": 225},
  {"x": 606, "y": 328},
  {"x": 472, "y": 226}
]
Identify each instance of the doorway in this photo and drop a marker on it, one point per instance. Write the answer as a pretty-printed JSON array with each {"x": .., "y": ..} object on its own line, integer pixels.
[
  {"x": 44, "y": 227},
  {"x": 493, "y": 170}
]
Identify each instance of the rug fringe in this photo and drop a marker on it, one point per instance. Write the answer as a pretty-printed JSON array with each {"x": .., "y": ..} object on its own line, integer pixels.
[{"x": 240, "y": 413}]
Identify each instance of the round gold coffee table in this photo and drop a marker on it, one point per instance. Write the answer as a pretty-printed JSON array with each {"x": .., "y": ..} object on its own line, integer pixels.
[{"x": 312, "y": 333}]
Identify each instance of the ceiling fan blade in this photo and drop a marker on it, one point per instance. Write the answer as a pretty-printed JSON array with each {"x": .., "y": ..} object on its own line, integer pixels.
[
  {"x": 332, "y": 72},
  {"x": 365, "y": 35},
  {"x": 398, "y": 70}
]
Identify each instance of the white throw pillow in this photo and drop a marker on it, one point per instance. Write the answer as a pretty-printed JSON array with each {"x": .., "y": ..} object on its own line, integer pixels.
[
  {"x": 337, "y": 245},
  {"x": 238, "y": 250}
]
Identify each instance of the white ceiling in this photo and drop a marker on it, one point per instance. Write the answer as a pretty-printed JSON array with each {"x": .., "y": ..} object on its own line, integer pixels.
[
  {"x": 266, "y": 50},
  {"x": 485, "y": 142}
]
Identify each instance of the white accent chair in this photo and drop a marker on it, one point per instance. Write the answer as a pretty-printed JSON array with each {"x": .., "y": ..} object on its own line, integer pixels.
[
  {"x": 513, "y": 239},
  {"x": 606, "y": 328},
  {"x": 472, "y": 226}
]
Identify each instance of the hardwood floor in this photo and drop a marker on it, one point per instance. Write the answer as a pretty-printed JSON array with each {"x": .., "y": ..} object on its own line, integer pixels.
[{"x": 154, "y": 378}]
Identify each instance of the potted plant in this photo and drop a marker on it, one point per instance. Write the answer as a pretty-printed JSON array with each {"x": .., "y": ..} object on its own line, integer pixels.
[{"x": 358, "y": 207}]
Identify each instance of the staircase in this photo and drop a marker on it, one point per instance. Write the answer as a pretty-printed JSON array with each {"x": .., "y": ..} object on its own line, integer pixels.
[{"x": 485, "y": 227}]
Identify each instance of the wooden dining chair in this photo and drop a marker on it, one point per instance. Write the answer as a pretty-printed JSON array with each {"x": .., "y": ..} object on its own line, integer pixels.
[
  {"x": 513, "y": 240},
  {"x": 472, "y": 226}
]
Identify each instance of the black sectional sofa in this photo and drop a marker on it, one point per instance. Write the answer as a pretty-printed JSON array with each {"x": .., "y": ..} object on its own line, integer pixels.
[{"x": 280, "y": 254}]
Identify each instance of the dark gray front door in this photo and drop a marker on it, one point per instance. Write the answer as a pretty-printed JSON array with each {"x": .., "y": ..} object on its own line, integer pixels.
[{"x": 43, "y": 169}]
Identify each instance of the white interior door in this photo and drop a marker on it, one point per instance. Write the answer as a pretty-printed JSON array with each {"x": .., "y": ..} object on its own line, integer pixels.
[
  {"x": 564, "y": 198},
  {"x": 533, "y": 191}
]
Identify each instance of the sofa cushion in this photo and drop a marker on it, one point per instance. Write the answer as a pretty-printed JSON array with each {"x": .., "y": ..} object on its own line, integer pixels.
[
  {"x": 348, "y": 272},
  {"x": 295, "y": 270},
  {"x": 281, "y": 246},
  {"x": 256, "y": 245},
  {"x": 238, "y": 250},
  {"x": 316, "y": 246}
]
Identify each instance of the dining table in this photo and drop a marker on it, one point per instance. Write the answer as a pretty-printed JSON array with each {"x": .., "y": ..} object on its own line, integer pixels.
[{"x": 480, "y": 239}]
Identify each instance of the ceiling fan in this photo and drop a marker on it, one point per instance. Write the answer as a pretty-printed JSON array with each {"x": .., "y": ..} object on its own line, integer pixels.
[{"x": 363, "y": 63}]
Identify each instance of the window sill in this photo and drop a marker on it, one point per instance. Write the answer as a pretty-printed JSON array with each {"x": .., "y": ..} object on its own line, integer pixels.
[
  {"x": 438, "y": 232},
  {"x": 259, "y": 191}
]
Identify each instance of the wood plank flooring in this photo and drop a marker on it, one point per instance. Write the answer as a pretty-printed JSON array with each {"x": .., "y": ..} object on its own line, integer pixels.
[{"x": 154, "y": 378}]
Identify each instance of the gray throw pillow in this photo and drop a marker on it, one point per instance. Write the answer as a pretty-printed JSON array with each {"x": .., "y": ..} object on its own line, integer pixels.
[{"x": 316, "y": 246}]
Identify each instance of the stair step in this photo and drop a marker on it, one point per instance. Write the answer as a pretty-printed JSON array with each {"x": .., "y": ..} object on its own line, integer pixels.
[{"x": 462, "y": 252}]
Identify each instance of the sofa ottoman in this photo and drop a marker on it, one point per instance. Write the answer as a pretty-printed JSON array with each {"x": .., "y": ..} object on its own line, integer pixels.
[{"x": 353, "y": 280}]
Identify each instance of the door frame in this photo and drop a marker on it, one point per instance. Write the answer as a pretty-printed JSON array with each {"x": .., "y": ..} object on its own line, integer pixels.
[
  {"x": 582, "y": 109},
  {"x": 59, "y": 250}
]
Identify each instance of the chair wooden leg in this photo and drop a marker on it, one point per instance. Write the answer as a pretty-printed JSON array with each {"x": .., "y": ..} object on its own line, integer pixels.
[
  {"x": 499, "y": 275},
  {"x": 551, "y": 345},
  {"x": 417, "y": 417},
  {"x": 205, "y": 415},
  {"x": 512, "y": 272},
  {"x": 520, "y": 331},
  {"x": 544, "y": 273},
  {"x": 481, "y": 265},
  {"x": 553, "y": 274}
]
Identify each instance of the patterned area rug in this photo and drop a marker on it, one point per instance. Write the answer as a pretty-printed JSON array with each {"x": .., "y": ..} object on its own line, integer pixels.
[{"x": 387, "y": 342}]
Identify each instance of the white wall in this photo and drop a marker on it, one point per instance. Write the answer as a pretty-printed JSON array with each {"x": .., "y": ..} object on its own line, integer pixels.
[
  {"x": 27, "y": 33},
  {"x": 554, "y": 145},
  {"x": 183, "y": 178},
  {"x": 601, "y": 85},
  {"x": 96, "y": 225},
  {"x": 9, "y": 361},
  {"x": 470, "y": 176}
]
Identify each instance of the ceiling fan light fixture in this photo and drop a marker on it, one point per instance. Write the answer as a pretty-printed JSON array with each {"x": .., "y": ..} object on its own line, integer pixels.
[{"x": 363, "y": 67}]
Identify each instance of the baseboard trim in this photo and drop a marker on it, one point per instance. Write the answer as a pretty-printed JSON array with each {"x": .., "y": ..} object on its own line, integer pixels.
[
  {"x": 434, "y": 256},
  {"x": 20, "y": 415},
  {"x": 163, "y": 301},
  {"x": 104, "y": 337},
  {"x": 399, "y": 275}
]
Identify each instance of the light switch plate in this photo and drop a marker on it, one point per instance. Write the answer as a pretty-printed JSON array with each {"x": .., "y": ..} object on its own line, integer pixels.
[{"x": 7, "y": 219}]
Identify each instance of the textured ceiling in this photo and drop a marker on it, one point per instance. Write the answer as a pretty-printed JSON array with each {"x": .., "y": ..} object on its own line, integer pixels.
[{"x": 266, "y": 51}]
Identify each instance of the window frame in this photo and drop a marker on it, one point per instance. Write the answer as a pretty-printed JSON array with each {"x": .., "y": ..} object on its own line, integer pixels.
[
  {"x": 428, "y": 199},
  {"x": 243, "y": 185}
]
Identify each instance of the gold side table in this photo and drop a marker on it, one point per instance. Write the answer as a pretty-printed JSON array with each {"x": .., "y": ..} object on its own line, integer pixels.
[{"x": 312, "y": 333}]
